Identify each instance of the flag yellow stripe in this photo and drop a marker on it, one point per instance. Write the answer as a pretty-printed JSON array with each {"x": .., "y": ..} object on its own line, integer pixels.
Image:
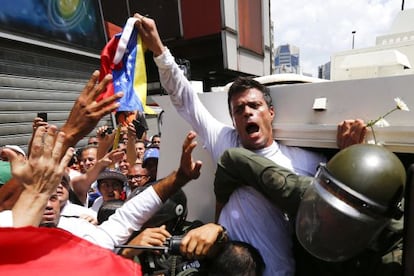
[{"x": 140, "y": 76}]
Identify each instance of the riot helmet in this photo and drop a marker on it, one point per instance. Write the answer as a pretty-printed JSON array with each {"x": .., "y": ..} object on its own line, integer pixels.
[{"x": 350, "y": 201}]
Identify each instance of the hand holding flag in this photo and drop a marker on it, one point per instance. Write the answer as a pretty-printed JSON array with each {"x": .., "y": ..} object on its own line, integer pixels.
[{"x": 123, "y": 57}]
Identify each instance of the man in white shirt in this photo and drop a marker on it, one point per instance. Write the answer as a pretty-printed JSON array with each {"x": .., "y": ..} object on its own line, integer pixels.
[{"x": 252, "y": 113}]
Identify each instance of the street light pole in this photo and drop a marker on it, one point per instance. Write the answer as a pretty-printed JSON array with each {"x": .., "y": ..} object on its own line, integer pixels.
[{"x": 353, "y": 39}]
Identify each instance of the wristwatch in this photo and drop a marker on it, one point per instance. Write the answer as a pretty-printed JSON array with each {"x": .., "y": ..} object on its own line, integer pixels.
[{"x": 222, "y": 237}]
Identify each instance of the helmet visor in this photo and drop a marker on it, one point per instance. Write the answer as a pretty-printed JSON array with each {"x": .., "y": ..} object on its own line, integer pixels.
[{"x": 331, "y": 229}]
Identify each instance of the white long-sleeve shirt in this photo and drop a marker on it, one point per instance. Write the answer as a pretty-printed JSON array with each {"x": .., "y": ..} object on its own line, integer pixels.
[
  {"x": 258, "y": 222},
  {"x": 119, "y": 227}
]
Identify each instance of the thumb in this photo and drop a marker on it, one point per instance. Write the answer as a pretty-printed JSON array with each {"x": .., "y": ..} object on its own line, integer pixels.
[
  {"x": 15, "y": 159},
  {"x": 11, "y": 155}
]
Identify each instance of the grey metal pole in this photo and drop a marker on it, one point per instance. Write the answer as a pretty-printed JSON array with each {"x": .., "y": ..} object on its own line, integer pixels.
[{"x": 353, "y": 39}]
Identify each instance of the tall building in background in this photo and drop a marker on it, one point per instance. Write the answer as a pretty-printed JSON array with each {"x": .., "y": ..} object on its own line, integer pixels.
[
  {"x": 287, "y": 59},
  {"x": 324, "y": 71}
]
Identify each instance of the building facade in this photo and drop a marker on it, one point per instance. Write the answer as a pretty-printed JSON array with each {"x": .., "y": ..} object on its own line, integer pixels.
[
  {"x": 393, "y": 54},
  {"x": 324, "y": 71},
  {"x": 45, "y": 59},
  {"x": 287, "y": 59}
]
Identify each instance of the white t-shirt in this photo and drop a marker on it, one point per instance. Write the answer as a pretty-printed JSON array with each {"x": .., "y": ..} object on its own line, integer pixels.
[{"x": 276, "y": 249}]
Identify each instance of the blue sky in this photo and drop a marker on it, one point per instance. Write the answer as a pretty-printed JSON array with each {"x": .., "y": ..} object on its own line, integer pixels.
[{"x": 322, "y": 27}]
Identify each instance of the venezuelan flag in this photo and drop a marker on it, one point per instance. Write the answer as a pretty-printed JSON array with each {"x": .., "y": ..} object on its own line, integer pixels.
[{"x": 123, "y": 57}]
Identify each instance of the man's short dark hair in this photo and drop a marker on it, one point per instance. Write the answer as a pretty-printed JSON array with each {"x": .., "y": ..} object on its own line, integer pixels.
[
  {"x": 155, "y": 136},
  {"x": 237, "y": 258},
  {"x": 90, "y": 146},
  {"x": 241, "y": 84}
]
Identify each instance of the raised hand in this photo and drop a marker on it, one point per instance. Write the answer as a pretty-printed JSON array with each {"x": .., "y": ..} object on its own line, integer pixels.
[
  {"x": 86, "y": 112},
  {"x": 37, "y": 122},
  {"x": 189, "y": 169},
  {"x": 112, "y": 157},
  {"x": 40, "y": 174},
  {"x": 106, "y": 140},
  {"x": 44, "y": 168},
  {"x": 149, "y": 34}
]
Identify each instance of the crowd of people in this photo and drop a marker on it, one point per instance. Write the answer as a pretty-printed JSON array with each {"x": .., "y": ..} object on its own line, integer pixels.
[{"x": 108, "y": 193}]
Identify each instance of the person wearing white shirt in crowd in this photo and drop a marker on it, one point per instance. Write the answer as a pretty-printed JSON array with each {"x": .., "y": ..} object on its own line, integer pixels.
[{"x": 67, "y": 208}]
